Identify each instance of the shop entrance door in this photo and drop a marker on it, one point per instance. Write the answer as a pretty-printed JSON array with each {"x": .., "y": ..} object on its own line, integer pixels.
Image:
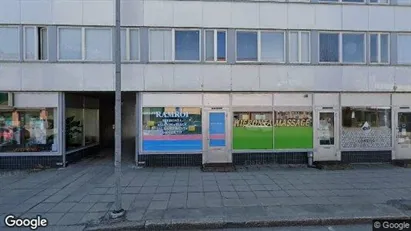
[
  {"x": 326, "y": 135},
  {"x": 216, "y": 136},
  {"x": 402, "y": 118}
]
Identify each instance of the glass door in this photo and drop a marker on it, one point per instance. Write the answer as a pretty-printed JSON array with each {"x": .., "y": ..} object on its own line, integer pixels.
[
  {"x": 326, "y": 136},
  {"x": 403, "y": 135},
  {"x": 216, "y": 138}
]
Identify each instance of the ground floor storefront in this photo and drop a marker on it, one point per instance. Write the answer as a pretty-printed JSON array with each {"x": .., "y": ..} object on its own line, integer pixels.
[{"x": 177, "y": 129}]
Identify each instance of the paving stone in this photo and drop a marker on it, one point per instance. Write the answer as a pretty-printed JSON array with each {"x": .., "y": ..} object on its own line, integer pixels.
[
  {"x": 258, "y": 187},
  {"x": 71, "y": 218},
  {"x": 229, "y": 195},
  {"x": 226, "y": 188},
  {"x": 154, "y": 214},
  {"x": 52, "y": 218},
  {"x": 92, "y": 217},
  {"x": 62, "y": 207},
  {"x": 213, "y": 203},
  {"x": 135, "y": 215},
  {"x": 100, "y": 207},
  {"x": 99, "y": 190},
  {"x": 262, "y": 194},
  {"x": 81, "y": 207},
  {"x": 148, "y": 189},
  {"x": 167, "y": 189},
  {"x": 56, "y": 198},
  {"x": 42, "y": 208},
  {"x": 158, "y": 205},
  {"x": 161, "y": 197},
  {"x": 246, "y": 195}
]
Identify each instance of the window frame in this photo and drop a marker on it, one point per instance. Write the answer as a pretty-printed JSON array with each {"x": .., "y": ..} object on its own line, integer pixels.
[
  {"x": 364, "y": 34},
  {"x": 398, "y": 61},
  {"x": 19, "y": 58},
  {"x": 36, "y": 44},
  {"x": 299, "y": 48},
  {"x": 339, "y": 47},
  {"x": 215, "y": 35},
  {"x": 150, "y": 44},
  {"x": 379, "y": 48},
  {"x": 173, "y": 47},
  {"x": 343, "y": 2},
  {"x": 83, "y": 44},
  {"x": 128, "y": 45},
  {"x": 379, "y": 2},
  {"x": 259, "y": 43}
]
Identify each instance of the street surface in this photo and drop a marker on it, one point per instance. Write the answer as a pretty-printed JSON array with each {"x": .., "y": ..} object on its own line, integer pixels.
[{"x": 308, "y": 228}]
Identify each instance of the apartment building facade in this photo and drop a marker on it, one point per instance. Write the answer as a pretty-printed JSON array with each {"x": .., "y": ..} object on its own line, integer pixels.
[{"x": 243, "y": 82}]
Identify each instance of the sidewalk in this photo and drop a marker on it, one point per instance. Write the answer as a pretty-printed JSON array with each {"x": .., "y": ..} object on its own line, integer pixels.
[{"x": 81, "y": 196}]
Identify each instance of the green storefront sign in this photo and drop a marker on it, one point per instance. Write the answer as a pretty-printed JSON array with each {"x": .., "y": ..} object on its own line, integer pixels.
[{"x": 289, "y": 130}]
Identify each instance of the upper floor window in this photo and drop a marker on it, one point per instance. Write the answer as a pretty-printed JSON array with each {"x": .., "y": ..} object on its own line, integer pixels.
[
  {"x": 174, "y": 45},
  {"x": 379, "y": 49},
  {"x": 90, "y": 44},
  {"x": 380, "y": 1},
  {"x": 404, "y": 48},
  {"x": 344, "y": 1},
  {"x": 342, "y": 47},
  {"x": 9, "y": 43},
  {"x": 299, "y": 47},
  {"x": 35, "y": 43},
  {"x": 403, "y": 2},
  {"x": 130, "y": 44},
  {"x": 262, "y": 46},
  {"x": 215, "y": 45}
]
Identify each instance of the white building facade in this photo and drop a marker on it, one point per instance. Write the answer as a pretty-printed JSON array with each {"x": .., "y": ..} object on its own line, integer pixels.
[{"x": 243, "y": 82}]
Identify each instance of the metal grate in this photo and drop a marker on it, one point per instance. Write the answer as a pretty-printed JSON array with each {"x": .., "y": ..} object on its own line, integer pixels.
[
  {"x": 29, "y": 162},
  {"x": 171, "y": 160},
  {"x": 270, "y": 158},
  {"x": 366, "y": 157}
]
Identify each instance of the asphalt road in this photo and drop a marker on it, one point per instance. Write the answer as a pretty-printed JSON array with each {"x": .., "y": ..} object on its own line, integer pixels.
[{"x": 306, "y": 228}]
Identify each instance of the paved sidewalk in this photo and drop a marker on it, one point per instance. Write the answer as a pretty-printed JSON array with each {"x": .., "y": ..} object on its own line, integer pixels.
[{"x": 80, "y": 195}]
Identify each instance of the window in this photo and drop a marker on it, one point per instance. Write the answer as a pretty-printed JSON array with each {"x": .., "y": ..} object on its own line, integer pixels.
[
  {"x": 263, "y": 46},
  {"x": 366, "y": 127},
  {"x": 329, "y": 47},
  {"x": 130, "y": 44},
  {"x": 379, "y": 1},
  {"x": 161, "y": 45},
  {"x": 90, "y": 44},
  {"x": 344, "y": 1},
  {"x": 404, "y": 48},
  {"x": 272, "y": 46},
  {"x": 253, "y": 130},
  {"x": 91, "y": 126},
  {"x": 293, "y": 129},
  {"x": 379, "y": 48},
  {"x": 172, "y": 129},
  {"x": 70, "y": 44},
  {"x": 28, "y": 130},
  {"x": 215, "y": 45},
  {"x": 98, "y": 44},
  {"x": 403, "y": 2},
  {"x": 299, "y": 47},
  {"x": 9, "y": 43},
  {"x": 35, "y": 43},
  {"x": 74, "y": 128},
  {"x": 247, "y": 46},
  {"x": 187, "y": 45},
  {"x": 353, "y": 48}
]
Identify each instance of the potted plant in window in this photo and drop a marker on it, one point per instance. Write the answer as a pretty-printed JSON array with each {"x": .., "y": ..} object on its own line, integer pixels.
[{"x": 73, "y": 129}]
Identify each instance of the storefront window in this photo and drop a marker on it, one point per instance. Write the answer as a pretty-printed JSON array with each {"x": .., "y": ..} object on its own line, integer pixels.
[
  {"x": 404, "y": 128},
  {"x": 74, "y": 128},
  {"x": 253, "y": 130},
  {"x": 172, "y": 129},
  {"x": 28, "y": 131},
  {"x": 4, "y": 99},
  {"x": 293, "y": 130},
  {"x": 368, "y": 127},
  {"x": 91, "y": 126}
]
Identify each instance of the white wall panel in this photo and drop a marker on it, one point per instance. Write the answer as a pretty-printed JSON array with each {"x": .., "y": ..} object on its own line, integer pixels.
[
  {"x": 216, "y": 14},
  {"x": 32, "y": 77},
  {"x": 36, "y": 12},
  {"x": 216, "y": 77},
  {"x": 98, "y": 12},
  {"x": 244, "y": 15},
  {"x": 273, "y": 78},
  {"x": 328, "y": 78},
  {"x": 252, "y": 100},
  {"x": 132, "y": 78},
  {"x": 188, "y": 77},
  {"x": 402, "y": 18},
  {"x": 355, "y": 78},
  {"x": 63, "y": 77},
  {"x": 132, "y": 12},
  {"x": 10, "y": 11},
  {"x": 245, "y": 78},
  {"x": 355, "y": 17},
  {"x": 10, "y": 77},
  {"x": 381, "y": 78},
  {"x": 292, "y": 99},
  {"x": 273, "y": 15},
  {"x": 158, "y": 13},
  {"x": 301, "y": 16},
  {"x": 172, "y": 99},
  {"x": 27, "y": 100},
  {"x": 401, "y": 99},
  {"x": 68, "y": 12},
  {"x": 371, "y": 99},
  {"x": 301, "y": 78},
  {"x": 158, "y": 77},
  {"x": 191, "y": 10},
  {"x": 402, "y": 78},
  {"x": 381, "y": 18},
  {"x": 328, "y": 16},
  {"x": 98, "y": 77},
  {"x": 326, "y": 99},
  {"x": 215, "y": 100}
]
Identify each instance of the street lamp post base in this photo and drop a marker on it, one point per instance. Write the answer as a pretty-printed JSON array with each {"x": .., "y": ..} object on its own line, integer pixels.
[{"x": 117, "y": 214}]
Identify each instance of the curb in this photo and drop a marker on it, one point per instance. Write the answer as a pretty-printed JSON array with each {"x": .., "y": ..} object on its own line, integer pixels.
[{"x": 184, "y": 224}]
